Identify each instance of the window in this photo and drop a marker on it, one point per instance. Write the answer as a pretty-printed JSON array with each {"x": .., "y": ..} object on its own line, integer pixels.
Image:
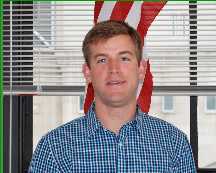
[
  {"x": 180, "y": 117},
  {"x": 210, "y": 105},
  {"x": 44, "y": 23},
  {"x": 179, "y": 25},
  {"x": 47, "y": 59},
  {"x": 207, "y": 132},
  {"x": 167, "y": 104}
]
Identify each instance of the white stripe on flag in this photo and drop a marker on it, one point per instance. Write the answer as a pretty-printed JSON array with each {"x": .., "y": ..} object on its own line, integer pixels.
[
  {"x": 133, "y": 18},
  {"x": 106, "y": 11}
]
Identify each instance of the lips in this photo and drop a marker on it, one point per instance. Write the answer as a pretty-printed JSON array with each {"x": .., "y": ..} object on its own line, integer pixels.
[{"x": 115, "y": 83}]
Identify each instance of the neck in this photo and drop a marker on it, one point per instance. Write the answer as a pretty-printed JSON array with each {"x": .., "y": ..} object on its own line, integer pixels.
[{"x": 113, "y": 118}]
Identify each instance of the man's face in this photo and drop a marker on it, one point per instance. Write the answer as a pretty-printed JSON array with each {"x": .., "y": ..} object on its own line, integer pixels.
[{"x": 114, "y": 71}]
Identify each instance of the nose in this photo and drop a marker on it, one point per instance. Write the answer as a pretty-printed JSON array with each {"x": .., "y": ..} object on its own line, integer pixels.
[{"x": 113, "y": 66}]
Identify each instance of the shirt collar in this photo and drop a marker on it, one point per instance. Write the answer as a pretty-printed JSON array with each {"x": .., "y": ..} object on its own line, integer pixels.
[
  {"x": 139, "y": 119},
  {"x": 94, "y": 124}
]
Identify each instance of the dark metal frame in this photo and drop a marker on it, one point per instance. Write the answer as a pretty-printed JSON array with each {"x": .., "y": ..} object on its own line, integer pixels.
[
  {"x": 193, "y": 66},
  {"x": 21, "y": 133},
  {"x": 22, "y": 106},
  {"x": 194, "y": 99}
]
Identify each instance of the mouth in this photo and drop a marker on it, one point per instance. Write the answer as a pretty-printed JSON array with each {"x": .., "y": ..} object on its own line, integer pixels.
[{"x": 115, "y": 83}]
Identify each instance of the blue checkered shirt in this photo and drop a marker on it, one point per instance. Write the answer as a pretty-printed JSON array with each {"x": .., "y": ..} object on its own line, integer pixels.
[{"x": 144, "y": 145}]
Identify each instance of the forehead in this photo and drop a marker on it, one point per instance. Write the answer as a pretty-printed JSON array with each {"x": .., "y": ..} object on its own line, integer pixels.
[{"x": 115, "y": 43}]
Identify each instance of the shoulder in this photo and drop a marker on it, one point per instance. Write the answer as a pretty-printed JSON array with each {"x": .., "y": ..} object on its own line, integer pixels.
[
  {"x": 54, "y": 149},
  {"x": 71, "y": 129},
  {"x": 162, "y": 129},
  {"x": 165, "y": 135},
  {"x": 64, "y": 135},
  {"x": 171, "y": 139}
]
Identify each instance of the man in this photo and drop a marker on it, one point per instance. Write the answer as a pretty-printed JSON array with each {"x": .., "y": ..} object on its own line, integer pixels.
[{"x": 114, "y": 136}]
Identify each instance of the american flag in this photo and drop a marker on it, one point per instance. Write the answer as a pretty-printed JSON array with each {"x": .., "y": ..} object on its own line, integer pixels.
[{"x": 140, "y": 15}]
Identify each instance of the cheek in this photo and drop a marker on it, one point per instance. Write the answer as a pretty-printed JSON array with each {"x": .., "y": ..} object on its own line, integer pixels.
[
  {"x": 130, "y": 70},
  {"x": 97, "y": 74}
]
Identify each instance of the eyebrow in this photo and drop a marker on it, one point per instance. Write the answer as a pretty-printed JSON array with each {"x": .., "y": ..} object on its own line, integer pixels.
[
  {"x": 100, "y": 54},
  {"x": 120, "y": 53},
  {"x": 126, "y": 52}
]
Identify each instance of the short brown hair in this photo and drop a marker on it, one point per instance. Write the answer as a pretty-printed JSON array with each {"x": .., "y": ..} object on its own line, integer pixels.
[{"x": 107, "y": 29}]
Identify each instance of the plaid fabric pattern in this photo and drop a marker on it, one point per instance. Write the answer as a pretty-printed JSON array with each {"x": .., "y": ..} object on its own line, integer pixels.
[{"x": 144, "y": 145}]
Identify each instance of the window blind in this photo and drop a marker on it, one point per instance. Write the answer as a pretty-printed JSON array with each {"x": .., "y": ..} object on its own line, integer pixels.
[{"x": 42, "y": 47}]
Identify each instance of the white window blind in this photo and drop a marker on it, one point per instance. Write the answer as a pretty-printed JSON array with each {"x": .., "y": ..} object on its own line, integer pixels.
[{"x": 42, "y": 50}]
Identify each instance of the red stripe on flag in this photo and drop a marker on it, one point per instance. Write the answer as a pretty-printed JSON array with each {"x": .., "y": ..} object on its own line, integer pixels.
[
  {"x": 89, "y": 98},
  {"x": 97, "y": 9},
  {"x": 144, "y": 99},
  {"x": 149, "y": 11},
  {"x": 121, "y": 10}
]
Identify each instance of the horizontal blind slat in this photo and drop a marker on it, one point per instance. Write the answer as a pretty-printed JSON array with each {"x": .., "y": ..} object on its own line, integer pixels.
[{"x": 47, "y": 44}]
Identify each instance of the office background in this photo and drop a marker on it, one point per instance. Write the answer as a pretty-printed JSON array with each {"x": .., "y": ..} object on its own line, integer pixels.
[{"x": 44, "y": 86}]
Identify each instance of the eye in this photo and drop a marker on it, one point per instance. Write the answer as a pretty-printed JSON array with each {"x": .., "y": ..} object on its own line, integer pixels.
[
  {"x": 101, "y": 60},
  {"x": 125, "y": 58}
]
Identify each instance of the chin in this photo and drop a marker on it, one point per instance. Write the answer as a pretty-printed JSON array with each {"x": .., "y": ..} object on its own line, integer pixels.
[{"x": 114, "y": 102}]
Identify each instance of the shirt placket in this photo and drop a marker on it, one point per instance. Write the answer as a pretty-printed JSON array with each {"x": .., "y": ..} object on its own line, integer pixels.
[{"x": 121, "y": 149}]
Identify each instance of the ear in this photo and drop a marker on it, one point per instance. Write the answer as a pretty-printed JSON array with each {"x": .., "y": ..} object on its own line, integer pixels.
[
  {"x": 142, "y": 69},
  {"x": 86, "y": 72}
]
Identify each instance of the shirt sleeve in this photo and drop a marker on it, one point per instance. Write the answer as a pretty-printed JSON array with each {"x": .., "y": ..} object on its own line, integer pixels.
[
  {"x": 43, "y": 160},
  {"x": 184, "y": 161}
]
